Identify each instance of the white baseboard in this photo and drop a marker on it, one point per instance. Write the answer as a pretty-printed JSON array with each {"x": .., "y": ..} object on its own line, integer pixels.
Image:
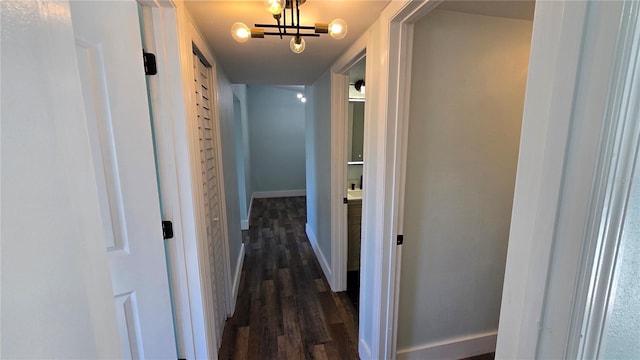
[
  {"x": 326, "y": 269},
  {"x": 249, "y": 211},
  {"x": 244, "y": 224},
  {"x": 277, "y": 194},
  {"x": 456, "y": 348},
  {"x": 236, "y": 279},
  {"x": 363, "y": 350}
]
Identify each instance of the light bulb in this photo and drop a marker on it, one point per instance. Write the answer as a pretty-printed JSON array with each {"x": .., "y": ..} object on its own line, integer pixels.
[
  {"x": 304, "y": 100},
  {"x": 297, "y": 44},
  {"x": 338, "y": 29},
  {"x": 274, "y": 6},
  {"x": 300, "y": 96},
  {"x": 240, "y": 32}
]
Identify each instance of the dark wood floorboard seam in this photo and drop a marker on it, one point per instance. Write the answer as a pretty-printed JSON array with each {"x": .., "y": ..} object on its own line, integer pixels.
[{"x": 285, "y": 307}]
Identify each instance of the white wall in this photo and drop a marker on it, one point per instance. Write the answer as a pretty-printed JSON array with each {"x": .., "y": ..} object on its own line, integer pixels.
[
  {"x": 242, "y": 136},
  {"x": 276, "y": 135},
  {"x": 229, "y": 165},
  {"x": 318, "y": 164},
  {"x": 467, "y": 94},
  {"x": 57, "y": 300}
]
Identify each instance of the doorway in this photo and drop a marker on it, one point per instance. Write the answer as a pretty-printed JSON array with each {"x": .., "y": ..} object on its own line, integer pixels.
[{"x": 354, "y": 171}]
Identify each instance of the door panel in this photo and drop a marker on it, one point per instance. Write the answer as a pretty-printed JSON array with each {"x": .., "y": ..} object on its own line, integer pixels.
[
  {"x": 210, "y": 195},
  {"x": 110, "y": 61}
]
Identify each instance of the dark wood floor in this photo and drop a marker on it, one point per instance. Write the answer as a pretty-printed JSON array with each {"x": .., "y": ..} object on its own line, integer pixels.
[{"x": 285, "y": 309}]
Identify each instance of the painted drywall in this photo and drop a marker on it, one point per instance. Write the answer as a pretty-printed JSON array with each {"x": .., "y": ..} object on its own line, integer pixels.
[
  {"x": 318, "y": 162},
  {"x": 229, "y": 165},
  {"x": 240, "y": 93},
  {"x": 277, "y": 138},
  {"x": 467, "y": 94},
  {"x": 237, "y": 132},
  {"x": 57, "y": 300}
]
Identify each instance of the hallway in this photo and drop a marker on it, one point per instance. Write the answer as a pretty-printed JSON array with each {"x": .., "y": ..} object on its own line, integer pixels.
[{"x": 285, "y": 308}]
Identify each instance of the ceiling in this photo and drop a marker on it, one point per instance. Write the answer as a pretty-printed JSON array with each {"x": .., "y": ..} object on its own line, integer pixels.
[
  {"x": 515, "y": 9},
  {"x": 269, "y": 60}
]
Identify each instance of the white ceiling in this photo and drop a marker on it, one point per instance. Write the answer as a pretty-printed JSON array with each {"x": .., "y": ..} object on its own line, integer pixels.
[
  {"x": 515, "y": 9},
  {"x": 269, "y": 60}
]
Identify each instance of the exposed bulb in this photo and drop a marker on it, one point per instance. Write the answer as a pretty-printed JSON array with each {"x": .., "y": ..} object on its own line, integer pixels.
[
  {"x": 240, "y": 32},
  {"x": 297, "y": 44},
  {"x": 300, "y": 96},
  {"x": 274, "y": 6},
  {"x": 303, "y": 100},
  {"x": 338, "y": 29}
]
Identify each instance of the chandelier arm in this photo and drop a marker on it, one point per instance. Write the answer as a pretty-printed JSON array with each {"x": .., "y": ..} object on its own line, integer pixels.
[
  {"x": 289, "y": 34},
  {"x": 292, "y": 14},
  {"x": 284, "y": 19},
  {"x": 279, "y": 30},
  {"x": 298, "y": 16},
  {"x": 270, "y": 26}
]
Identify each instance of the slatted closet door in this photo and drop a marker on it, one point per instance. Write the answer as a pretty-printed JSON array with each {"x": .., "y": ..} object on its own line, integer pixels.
[{"x": 216, "y": 287}]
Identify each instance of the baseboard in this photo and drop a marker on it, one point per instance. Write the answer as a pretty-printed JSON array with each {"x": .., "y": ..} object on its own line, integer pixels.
[
  {"x": 236, "y": 279},
  {"x": 363, "y": 350},
  {"x": 277, "y": 194},
  {"x": 244, "y": 224},
  {"x": 326, "y": 269},
  {"x": 456, "y": 348},
  {"x": 249, "y": 211}
]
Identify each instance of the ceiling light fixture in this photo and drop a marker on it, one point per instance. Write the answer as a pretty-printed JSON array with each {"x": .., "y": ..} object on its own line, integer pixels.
[
  {"x": 240, "y": 32},
  {"x": 359, "y": 85}
]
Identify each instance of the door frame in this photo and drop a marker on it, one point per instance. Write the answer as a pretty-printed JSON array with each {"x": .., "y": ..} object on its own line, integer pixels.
[
  {"x": 389, "y": 44},
  {"x": 173, "y": 37}
]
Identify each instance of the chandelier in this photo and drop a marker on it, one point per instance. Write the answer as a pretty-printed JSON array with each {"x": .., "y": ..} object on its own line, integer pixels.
[{"x": 240, "y": 32}]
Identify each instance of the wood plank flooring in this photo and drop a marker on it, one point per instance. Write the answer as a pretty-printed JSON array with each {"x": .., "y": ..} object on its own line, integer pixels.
[{"x": 285, "y": 309}]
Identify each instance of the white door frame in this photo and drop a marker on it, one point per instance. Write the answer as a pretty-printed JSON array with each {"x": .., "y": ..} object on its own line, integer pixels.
[
  {"x": 569, "y": 201},
  {"x": 173, "y": 39},
  {"x": 388, "y": 74}
]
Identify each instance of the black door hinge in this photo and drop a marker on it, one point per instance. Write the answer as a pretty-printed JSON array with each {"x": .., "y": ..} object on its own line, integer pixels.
[
  {"x": 150, "y": 65},
  {"x": 167, "y": 230},
  {"x": 400, "y": 240},
  {"x": 345, "y": 201}
]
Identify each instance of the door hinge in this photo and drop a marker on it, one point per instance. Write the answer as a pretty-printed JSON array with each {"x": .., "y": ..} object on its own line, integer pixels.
[
  {"x": 167, "y": 230},
  {"x": 400, "y": 240},
  {"x": 150, "y": 65},
  {"x": 345, "y": 201}
]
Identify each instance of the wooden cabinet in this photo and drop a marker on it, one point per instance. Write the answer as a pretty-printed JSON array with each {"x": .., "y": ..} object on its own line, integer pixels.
[{"x": 354, "y": 219}]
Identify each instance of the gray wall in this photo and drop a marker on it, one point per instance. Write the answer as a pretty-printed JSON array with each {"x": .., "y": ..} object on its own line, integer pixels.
[
  {"x": 277, "y": 138},
  {"x": 230, "y": 172},
  {"x": 318, "y": 156},
  {"x": 467, "y": 95},
  {"x": 243, "y": 159}
]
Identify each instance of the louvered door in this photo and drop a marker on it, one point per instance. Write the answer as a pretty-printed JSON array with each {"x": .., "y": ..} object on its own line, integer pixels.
[{"x": 212, "y": 226}]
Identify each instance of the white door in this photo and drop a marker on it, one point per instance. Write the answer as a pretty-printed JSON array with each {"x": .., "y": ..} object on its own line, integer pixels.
[
  {"x": 109, "y": 53},
  {"x": 207, "y": 139}
]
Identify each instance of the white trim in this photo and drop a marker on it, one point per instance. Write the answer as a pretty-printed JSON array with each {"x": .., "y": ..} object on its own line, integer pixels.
[
  {"x": 276, "y": 194},
  {"x": 316, "y": 249},
  {"x": 339, "y": 139},
  {"x": 175, "y": 185},
  {"x": 387, "y": 116},
  {"x": 236, "y": 278},
  {"x": 618, "y": 155},
  {"x": 364, "y": 350},
  {"x": 244, "y": 224},
  {"x": 564, "y": 123},
  {"x": 249, "y": 211},
  {"x": 457, "y": 348}
]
